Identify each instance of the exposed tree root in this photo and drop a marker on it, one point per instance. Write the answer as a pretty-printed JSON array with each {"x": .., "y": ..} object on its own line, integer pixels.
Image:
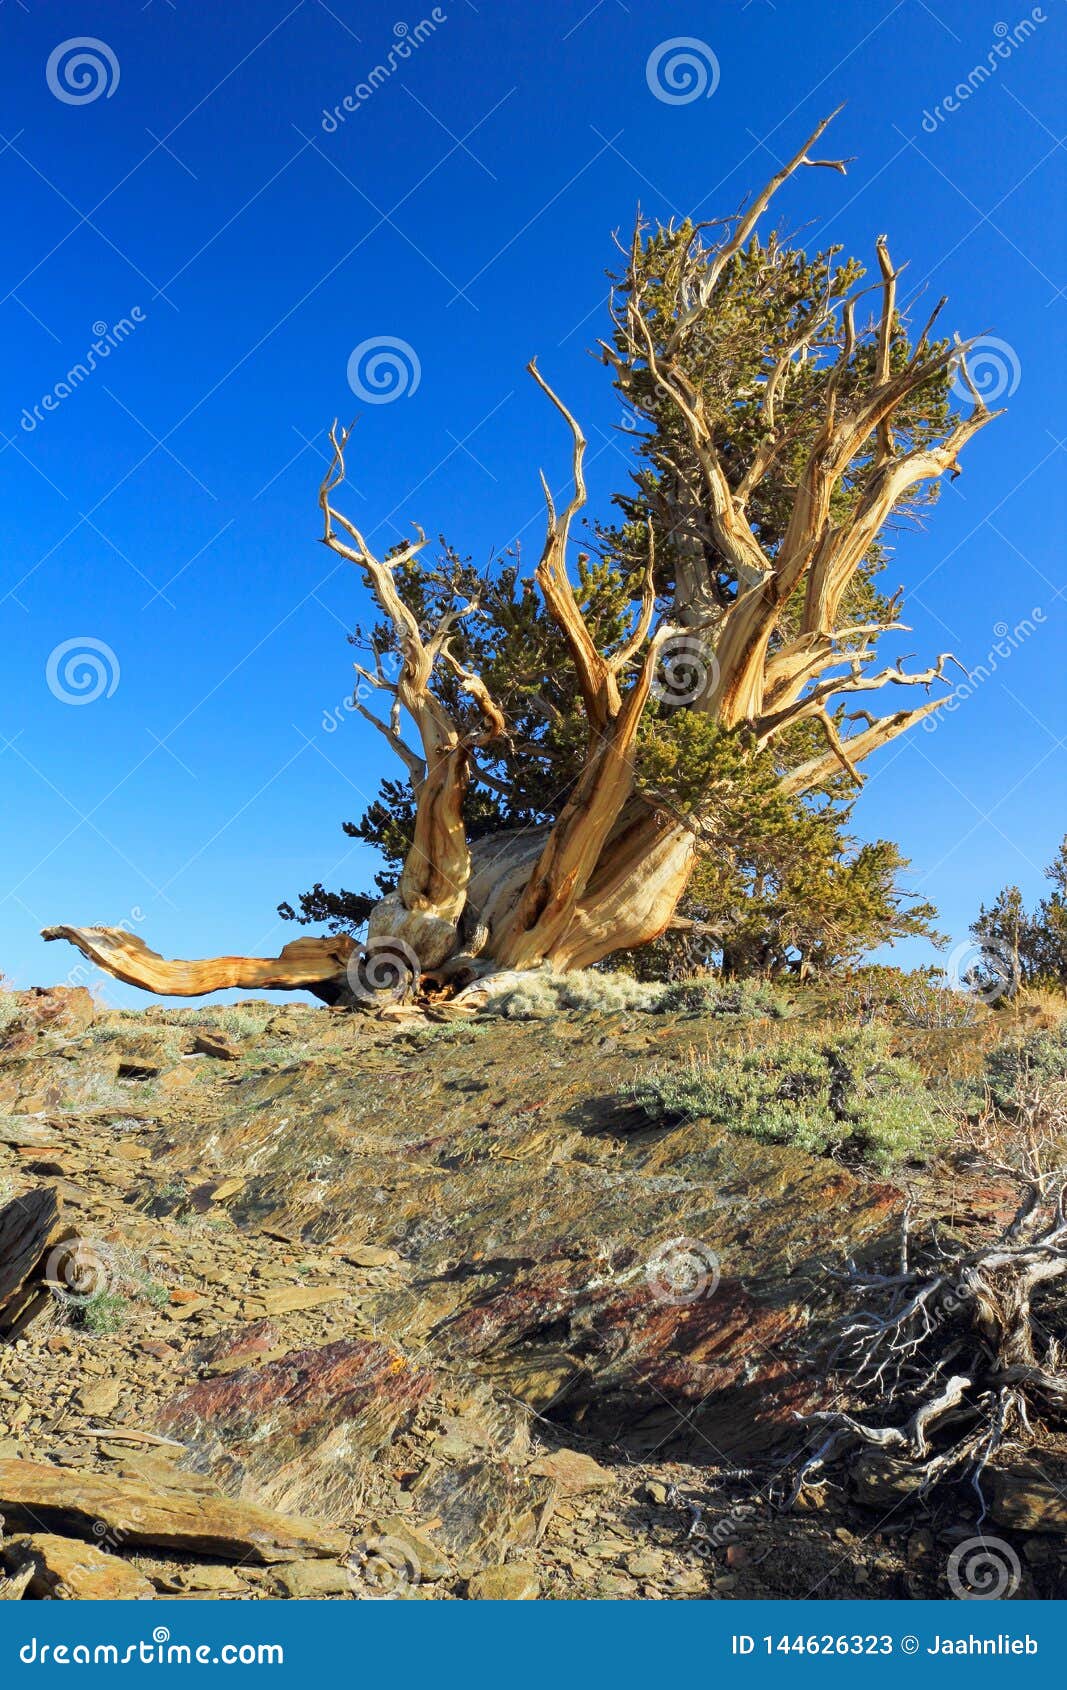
[{"x": 948, "y": 1353}]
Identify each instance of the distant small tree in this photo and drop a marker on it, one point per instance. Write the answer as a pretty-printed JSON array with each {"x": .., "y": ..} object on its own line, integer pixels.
[{"x": 1032, "y": 944}]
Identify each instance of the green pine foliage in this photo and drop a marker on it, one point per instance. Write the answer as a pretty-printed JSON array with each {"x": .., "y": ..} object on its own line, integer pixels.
[{"x": 782, "y": 876}]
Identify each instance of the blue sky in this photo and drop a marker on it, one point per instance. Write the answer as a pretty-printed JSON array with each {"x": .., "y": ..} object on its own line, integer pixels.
[{"x": 164, "y": 509}]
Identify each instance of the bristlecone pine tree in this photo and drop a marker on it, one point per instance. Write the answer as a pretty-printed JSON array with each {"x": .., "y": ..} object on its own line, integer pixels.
[
  {"x": 1019, "y": 947},
  {"x": 573, "y": 746}
]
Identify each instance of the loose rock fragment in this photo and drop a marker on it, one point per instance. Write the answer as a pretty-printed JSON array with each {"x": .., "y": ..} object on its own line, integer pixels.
[
  {"x": 67, "y": 1569},
  {"x": 32, "y": 1494},
  {"x": 504, "y": 1584}
]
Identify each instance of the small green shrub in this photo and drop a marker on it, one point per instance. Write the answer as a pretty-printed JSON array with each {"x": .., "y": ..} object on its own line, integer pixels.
[
  {"x": 102, "y": 1313},
  {"x": 171, "y": 1198},
  {"x": 1019, "y": 1067},
  {"x": 10, "y": 1010},
  {"x": 154, "y": 1292},
  {"x": 921, "y": 998},
  {"x": 541, "y": 993},
  {"x": 448, "y": 1032},
  {"x": 746, "y": 999},
  {"x": 818, "y": 1096},
  {"x": 241, "y": 1021},
  {"x": 538, "y": 994}
]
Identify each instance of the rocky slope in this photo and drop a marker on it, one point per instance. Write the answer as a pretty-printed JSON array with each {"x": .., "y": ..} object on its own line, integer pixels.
[{"x": 331, "y": 1306}]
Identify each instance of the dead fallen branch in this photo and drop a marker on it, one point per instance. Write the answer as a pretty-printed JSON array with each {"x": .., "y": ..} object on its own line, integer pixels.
[{"x": 312, "y": 965}]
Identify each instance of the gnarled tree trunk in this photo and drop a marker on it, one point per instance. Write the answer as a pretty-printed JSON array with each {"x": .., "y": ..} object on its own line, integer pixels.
[{"x": 608, "y": 871}]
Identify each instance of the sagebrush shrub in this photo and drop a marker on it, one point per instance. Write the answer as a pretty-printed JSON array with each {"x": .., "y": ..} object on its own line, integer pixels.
[
  {"x": 538, "y": 994},
  {"x": 743, "y": 998},
  {"x": 1018, "y": 1067},
  {"x": 240, "y": 1020},
  {"x": 817, "y": 1095}
]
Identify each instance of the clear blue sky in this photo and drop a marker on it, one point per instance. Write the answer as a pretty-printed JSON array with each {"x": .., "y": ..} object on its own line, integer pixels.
[{"x": 165, "y": 507}]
